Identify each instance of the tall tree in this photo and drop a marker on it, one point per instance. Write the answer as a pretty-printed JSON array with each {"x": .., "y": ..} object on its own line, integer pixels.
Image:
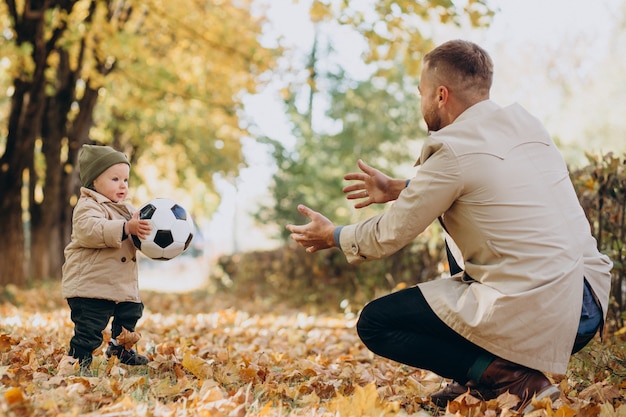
[
  {"x": 379, "y": 122},
  {"x": 156, "y": 79}
]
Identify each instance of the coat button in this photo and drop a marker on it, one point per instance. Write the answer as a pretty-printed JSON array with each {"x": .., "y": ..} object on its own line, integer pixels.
[{"x": 124, "y": 259}]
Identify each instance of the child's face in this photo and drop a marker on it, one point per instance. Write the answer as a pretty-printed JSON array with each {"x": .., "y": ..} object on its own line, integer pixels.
[{"x": 113, "y": 182}]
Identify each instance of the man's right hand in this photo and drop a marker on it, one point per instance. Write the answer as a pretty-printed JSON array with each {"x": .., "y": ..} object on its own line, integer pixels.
[
  {"x": 372, "y": 185},
  {"x": 316, "y": 235}
]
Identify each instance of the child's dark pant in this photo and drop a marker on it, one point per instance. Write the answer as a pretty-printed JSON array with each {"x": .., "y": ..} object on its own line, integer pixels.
[{"x": 91, "y": 316}]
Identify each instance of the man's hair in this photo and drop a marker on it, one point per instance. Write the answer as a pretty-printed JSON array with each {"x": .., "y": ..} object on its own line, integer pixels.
[{"x": 463, "y": 65}]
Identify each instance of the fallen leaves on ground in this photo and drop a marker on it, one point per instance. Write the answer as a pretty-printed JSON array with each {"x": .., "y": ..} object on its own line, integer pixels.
[
  {"x": 211, "y": 356},
  {"x": 127, "y": 338}
]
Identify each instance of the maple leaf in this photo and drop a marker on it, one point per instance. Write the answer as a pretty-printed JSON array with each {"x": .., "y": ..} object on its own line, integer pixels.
[
  {"x": 507, "y": 401},
  {"x": 6, "y": 342},
  {"x": 67, "y": 366},
  {"x": 363, "y": 402},
  {"x": 564, "y": 411},
  {"x": 607, "y": 410},
  {"x": 165, "y": 388},
  {"x": 197, "y": 366},
  {"x": 543, "y": 404},
  {"x": 600, "y": 392},
  {"x": 14, "y": 395},
  {"x": 128, "y": 339},
  {"x": 465, "y": 404}
]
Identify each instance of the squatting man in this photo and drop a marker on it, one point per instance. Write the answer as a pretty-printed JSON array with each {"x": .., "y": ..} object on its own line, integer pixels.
[{"x": 532, "y": 287}]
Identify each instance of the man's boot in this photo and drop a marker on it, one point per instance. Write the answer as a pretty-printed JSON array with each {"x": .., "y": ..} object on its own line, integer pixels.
[
  {"x": 450, "y": 392},
  {"x": 502, "y": 376},
  {"x": 499, "y": 377}
]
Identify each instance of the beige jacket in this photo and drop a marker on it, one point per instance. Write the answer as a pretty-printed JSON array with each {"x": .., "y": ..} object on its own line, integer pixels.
[
  {"x": 98, "y": 263},
  {"x": 507, "y": 201}
]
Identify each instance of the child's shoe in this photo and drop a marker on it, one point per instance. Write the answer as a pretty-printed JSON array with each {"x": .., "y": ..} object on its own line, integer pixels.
[
  {"x": 85, "y": 366},
  {"x": 84, "y": 361},
  {"x": 127, "y": 356}
]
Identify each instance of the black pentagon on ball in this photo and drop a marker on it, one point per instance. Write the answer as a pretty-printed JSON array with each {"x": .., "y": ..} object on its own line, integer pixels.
[
  {"x": 188, "y": 241},
  {"x": 147, "y": 211},
  {"x": 179, "y": 212},
  {"x": 163, "y": 238}
]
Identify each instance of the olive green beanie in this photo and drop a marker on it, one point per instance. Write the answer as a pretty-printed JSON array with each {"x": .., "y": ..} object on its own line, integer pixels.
[{"x": 93, "y": 160}]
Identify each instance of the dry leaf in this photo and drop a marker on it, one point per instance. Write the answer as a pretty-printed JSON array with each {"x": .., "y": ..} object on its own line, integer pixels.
[
  {"x": 465, "y": 404},
  {"x": 507, "y": 401},
  {"x": 543, "y": 404},
  {"x": 67, "y": 366},
  {"x": 6, "y": 342},
  {"x": 197, "y": 366},
  {"x": 128, "y": 339},
  {"x": 363, "y": 402},
  {"x": 600, "y": 392},
  {"x": 14, "y": 395},
  {"x": 564, "y": 411},
  {"x": 607, "y": 410}
]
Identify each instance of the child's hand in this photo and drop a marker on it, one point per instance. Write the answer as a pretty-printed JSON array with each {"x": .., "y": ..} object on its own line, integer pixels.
[{"x": 139, "y": 228}]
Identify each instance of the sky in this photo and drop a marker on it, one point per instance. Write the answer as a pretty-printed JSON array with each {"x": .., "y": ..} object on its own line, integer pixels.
[{"x": 566, "y": 37}]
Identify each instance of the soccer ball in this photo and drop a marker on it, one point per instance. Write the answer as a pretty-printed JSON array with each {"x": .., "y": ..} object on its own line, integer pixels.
[{"x": 172, "y": 229}]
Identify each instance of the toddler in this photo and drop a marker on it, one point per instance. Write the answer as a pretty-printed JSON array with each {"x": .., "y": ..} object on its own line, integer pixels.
[{"x": 100, "y": 278}]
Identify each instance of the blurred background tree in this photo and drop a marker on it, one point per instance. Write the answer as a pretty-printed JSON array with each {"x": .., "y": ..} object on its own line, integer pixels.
[{"x": 376, "y": 119}]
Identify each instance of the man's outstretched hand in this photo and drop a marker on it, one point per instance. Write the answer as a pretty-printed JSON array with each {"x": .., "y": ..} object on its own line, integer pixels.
[
  {"x": 372, "y": 185},
  {"x": 315, "y": 235}
]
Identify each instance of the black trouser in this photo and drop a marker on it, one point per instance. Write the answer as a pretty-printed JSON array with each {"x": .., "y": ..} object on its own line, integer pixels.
[
  {"x": 401, "y": 326},
  {"x": 91, "y": 316}
]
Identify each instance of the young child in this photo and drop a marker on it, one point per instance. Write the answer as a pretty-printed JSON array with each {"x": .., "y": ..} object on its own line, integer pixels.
[{"x": 100, "y": 278}]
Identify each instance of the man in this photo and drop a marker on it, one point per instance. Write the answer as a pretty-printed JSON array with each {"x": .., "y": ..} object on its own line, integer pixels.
[{"x": 534, "y": 287}]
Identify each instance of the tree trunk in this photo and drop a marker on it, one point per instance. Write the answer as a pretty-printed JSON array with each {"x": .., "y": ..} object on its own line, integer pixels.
[
  {"x": 24, "y": 127},
  {"x": 47, "y": 239},
  {"x": 44, "y": 214},
  {"x": 26, "y": 108},
  {"x": 12, "y": 255}
]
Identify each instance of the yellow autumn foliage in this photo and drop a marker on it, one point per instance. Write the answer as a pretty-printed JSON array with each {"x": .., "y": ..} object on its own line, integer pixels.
[{"x": 364, "y": 401}]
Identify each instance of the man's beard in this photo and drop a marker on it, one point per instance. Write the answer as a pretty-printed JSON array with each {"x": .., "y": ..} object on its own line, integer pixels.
[{"x": 433, "y": 120}]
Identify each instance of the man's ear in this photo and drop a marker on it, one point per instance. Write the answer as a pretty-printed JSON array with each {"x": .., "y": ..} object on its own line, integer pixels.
[{"x": 442, "y": 94}]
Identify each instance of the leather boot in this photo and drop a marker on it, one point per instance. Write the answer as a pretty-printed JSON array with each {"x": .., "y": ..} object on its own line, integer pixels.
[
  {"x": 450, "y": 392},
  {"x": 502, "y": 376}
]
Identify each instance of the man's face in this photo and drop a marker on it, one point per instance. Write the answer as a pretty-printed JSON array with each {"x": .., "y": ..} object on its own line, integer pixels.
[{"x": 429, "y": 100}]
